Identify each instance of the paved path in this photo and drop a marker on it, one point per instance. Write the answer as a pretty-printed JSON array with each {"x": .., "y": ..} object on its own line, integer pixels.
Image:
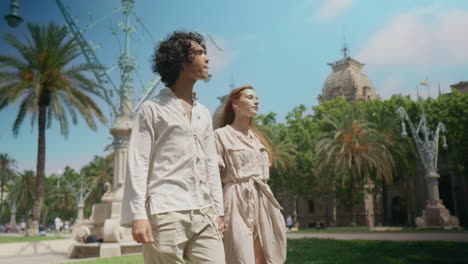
[{"x": 458, "y": 237}]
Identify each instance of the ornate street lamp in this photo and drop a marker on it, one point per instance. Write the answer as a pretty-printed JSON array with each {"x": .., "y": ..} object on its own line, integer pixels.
[
  {"x": 78, "y": 192},
  {"x": 427, "y": 144},
  {"x": 13, "y": 19}
]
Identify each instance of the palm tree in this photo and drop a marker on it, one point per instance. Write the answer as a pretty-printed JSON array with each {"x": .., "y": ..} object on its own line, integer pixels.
[
  {"x": 352, "y": 150},
  {"x": 47, "y": 87},
  {"x": 402, "y": 149},
  {"x": 7, "y": 173},
  {"x": 22, "y": 190},
  {"x": 282, "y": 148},
  {"x": 97, "y": 173}
]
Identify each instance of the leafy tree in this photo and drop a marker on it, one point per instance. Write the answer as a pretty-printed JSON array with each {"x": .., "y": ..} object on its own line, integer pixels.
[{"x": 59, "y": 198}]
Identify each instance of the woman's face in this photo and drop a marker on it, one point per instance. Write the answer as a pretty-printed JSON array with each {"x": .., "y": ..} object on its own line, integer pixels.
[{"x": 247, "y": 104}]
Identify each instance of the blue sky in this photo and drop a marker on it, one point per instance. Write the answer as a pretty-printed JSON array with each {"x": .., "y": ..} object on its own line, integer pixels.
[{"x": 280, "y": 47}]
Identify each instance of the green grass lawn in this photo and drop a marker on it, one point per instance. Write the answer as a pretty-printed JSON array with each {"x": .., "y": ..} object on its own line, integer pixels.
[
  {"x": 344, "y": 230},
  {"x": 322, "y": 251},
  {"x": 15, "y": 239}
]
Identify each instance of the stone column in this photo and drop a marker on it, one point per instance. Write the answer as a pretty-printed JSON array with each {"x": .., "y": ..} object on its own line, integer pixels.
[
  {"x": 80, "y": 212},
  {"x": 121, "y": 132},
  {"x": 435, "y": 214},
  {"x": 432, "y": 182}
]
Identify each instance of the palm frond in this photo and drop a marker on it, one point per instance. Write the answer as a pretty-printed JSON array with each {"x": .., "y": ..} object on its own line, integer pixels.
[{"x": 24, "y": 108}]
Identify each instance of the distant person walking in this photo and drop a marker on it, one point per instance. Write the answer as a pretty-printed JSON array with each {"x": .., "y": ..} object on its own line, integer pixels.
[
  {"x": 370, "y": 220},
  {"x": 289, "y": 223},
  {"x": 58, "y": 224}
]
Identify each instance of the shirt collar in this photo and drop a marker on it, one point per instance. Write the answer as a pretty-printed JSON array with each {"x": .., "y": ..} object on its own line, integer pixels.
[{"x": 168, "y": 92}]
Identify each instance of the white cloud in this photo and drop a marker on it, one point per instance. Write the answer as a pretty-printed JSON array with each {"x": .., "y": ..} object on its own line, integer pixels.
[
  {"x": 420, "y": 39},
  {"x": 391, "y": 85},
  {"x": 332, "y": 8},
  {"x": 219, "y": 59}
]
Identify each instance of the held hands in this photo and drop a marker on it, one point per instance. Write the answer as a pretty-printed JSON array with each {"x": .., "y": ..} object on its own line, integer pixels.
[
  {"x": 141, "y": 231},
  {"x": 220, "y": 221}
]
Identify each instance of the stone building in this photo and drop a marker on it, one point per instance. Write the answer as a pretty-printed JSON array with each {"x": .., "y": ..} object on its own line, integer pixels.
[
  {"x": 462, "y": 87},
  {"x": 347, "y": 80},
  {"x": 398, "y": 203}
]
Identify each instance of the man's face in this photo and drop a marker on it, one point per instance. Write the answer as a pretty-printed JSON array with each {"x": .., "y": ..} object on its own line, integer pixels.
[{"x": 198, "y": 69}]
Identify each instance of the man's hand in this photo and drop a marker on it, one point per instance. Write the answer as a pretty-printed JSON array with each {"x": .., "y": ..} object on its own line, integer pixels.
[
  {"x": 220, "y": 221},
  {"x": 141, "y": 231}
]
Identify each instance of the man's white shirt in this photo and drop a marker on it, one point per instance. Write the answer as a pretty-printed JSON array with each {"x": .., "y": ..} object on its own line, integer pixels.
[{"x": 171, "y": 160}]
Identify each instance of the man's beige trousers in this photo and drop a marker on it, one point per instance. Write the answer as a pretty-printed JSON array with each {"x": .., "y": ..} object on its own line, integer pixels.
[{"x": 190, "y": 236}]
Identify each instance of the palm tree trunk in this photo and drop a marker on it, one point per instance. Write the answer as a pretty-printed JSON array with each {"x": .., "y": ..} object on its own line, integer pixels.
[
  {"x": 1, "y": 195},
  {"x": 351, "y": 194},
  {"x": 296, "y": 223},
  {"x": 40, "y": 170}
]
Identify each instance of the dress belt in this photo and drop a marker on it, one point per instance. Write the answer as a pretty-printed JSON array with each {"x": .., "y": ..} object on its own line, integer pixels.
[{"x": 262, "y": 185}]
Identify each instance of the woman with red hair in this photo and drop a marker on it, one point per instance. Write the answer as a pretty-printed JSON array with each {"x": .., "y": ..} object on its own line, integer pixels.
[{"x": 255, "y": 231}]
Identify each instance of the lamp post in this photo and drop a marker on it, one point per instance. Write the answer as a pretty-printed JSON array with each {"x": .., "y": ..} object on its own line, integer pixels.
[
  {"x": 427, "y": 144},
  {"x": 13, "y": 215},
  {"x": 13, "y": 19},
  {"x": 78, "y": 193}
]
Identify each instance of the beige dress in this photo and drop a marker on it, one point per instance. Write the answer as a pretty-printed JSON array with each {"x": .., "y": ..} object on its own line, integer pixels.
[{"x": 250, "y": 208}]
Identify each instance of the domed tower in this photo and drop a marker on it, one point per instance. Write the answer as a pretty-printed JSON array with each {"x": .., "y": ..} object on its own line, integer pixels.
[
  {"x": 219, "y": 111},
  {"x": 347, "y": 80}
]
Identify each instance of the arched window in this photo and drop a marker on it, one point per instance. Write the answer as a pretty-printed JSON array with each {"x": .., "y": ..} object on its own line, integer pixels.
[
  {"x": 366, "y": 92},
  {"x": 337, "y": 91}
]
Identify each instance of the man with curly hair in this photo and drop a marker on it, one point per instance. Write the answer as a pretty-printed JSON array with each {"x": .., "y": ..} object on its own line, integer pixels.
[{"x": 173, "y": 198}]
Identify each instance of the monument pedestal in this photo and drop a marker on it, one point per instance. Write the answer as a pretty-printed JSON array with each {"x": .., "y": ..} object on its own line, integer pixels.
[
  {"x": 104, "y": 224},
  {"x": 109, "y": 250},
  {"x": 435, "y": 215}
]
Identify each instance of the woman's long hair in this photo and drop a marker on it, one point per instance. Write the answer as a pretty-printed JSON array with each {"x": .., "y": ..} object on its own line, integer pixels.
[{"x": 228, "y": 116}]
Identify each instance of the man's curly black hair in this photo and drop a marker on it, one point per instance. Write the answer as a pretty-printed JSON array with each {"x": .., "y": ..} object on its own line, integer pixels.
[{"x": 173, "y": 52}]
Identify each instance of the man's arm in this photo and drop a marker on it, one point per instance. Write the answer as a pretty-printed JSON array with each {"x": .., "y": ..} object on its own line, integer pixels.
[
  {"x": 139, "y": 151},
  {"x": 214, "y": 179}
]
